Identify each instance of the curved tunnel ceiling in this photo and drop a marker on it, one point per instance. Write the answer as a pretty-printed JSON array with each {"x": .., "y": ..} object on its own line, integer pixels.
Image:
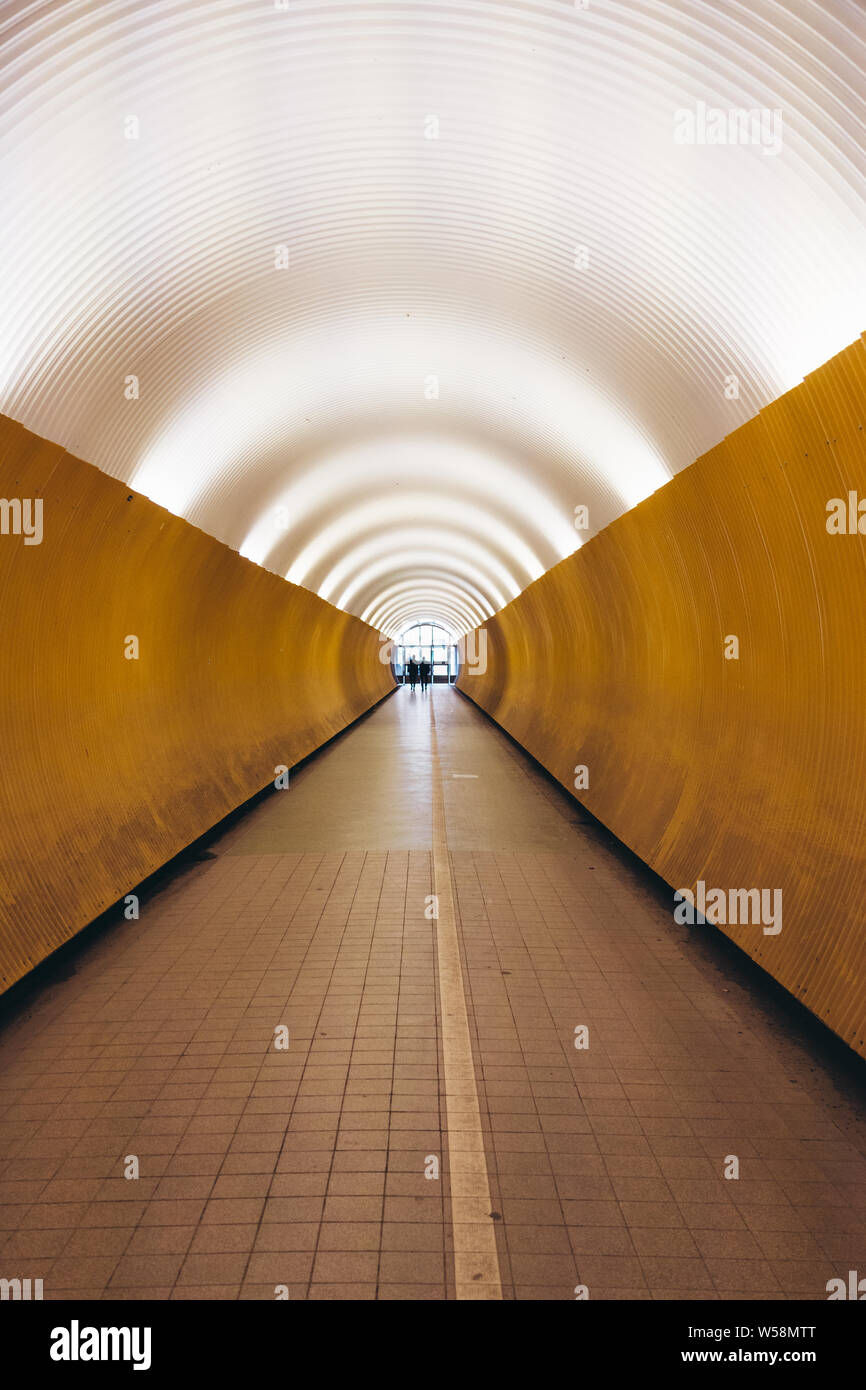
[{"x": 401, "y": 285}]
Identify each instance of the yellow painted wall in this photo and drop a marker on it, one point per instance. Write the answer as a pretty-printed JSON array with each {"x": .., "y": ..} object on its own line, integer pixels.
[
  {"x": 744, "y": 773},
  {"x": 111, "y": 766}
]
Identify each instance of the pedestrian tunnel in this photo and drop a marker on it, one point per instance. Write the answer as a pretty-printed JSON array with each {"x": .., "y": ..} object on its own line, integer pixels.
[
  {"x": 524, "y": 342},
  {"x": 157, "y": 680}
]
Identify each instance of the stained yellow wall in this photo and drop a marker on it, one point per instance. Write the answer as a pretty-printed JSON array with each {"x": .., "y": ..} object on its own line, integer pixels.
[
  {"x": 744, "y": 773},
  {"x": 111, "y": 766}
]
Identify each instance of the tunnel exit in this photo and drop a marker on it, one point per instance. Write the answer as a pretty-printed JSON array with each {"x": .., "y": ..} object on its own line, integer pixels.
[{"x": 429, "y": 642}]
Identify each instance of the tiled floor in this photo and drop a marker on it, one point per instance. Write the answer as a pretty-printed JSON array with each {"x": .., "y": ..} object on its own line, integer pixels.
[{"x": 304, "y": 1167}]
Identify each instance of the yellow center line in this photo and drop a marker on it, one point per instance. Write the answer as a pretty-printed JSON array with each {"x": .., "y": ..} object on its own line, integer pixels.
[{"x": 476, "y": 1263}]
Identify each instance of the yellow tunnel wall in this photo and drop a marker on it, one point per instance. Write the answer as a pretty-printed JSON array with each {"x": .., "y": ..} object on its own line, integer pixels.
[
  {"x": 113, "y": 765},
  {"x": 746, "y": 772}
]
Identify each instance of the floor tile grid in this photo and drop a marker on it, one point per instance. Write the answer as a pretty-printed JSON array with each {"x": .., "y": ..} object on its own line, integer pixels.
[
  {"x": 747, "y": 1106},
  {"x": 154, "y": 1123},
  {"x": 94, "y": 1121}
]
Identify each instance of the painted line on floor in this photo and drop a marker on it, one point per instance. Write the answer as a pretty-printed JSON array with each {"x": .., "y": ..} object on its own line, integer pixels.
[{"x": 476, "y": 1263}]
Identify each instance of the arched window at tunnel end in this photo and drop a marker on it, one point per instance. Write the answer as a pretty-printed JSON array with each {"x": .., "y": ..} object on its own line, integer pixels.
[{"x": 427, "y": 640}]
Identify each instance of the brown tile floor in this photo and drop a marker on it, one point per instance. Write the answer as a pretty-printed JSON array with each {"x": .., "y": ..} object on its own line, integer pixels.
[{"x": 305, "y": 1167}]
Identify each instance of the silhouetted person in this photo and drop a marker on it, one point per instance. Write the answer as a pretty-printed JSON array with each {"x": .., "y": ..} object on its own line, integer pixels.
[
  {"x": 412, "y": 672},
  {"x": 424, "y": 671}
]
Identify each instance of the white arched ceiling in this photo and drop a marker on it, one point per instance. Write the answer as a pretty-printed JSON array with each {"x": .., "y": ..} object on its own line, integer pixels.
[
  {"x": 543, "y": 307},
  {"x": 404, "y": 602}
]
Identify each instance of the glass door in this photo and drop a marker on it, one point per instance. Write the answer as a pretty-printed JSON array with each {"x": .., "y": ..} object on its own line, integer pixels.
[{"x": 428, "y": 642}]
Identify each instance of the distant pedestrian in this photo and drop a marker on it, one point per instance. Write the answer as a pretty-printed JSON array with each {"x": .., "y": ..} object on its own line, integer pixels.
[
  {"x": 424, "y": 672},
  {"x": 412, "y": 672}
]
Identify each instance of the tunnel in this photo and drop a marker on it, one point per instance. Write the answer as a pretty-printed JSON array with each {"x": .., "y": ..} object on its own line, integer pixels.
[{"x": 434, "y": 631}]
